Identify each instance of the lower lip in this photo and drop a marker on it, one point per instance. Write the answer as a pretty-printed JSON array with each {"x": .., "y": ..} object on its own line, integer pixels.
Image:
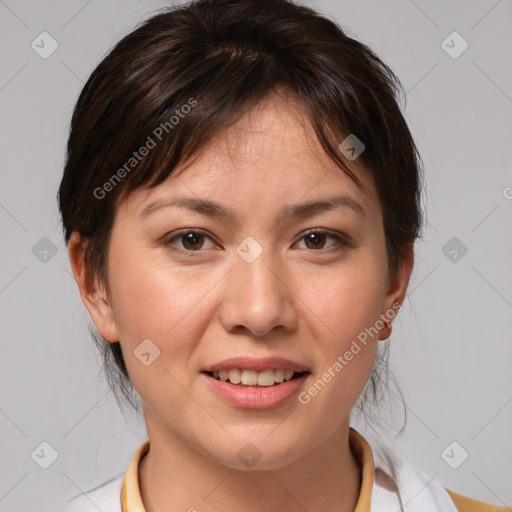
[{"x": 256, "y": 398}]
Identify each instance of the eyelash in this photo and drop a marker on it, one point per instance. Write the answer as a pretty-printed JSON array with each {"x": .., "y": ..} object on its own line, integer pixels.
[{"x": 342, "y": 241}]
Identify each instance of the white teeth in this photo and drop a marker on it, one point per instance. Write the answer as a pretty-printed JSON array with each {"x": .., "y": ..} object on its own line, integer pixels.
[
  {"x": 249, "y": 377},
  {"x": 279, "y": 375},
  {"x": 252, "y": 377},
  {"x": 266, "y": 378},
  {"x": 235, "y": 376}
]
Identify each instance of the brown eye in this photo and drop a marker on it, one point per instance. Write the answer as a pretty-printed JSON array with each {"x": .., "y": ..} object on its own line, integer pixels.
[
  {"x": 316, "y": 240},
  {"x": 191, "y": 241}
]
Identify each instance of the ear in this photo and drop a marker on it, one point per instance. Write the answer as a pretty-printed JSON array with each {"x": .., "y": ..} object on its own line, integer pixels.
[
  {"x": 93, "y": 293},
  {"x": 397, "y": 287}
]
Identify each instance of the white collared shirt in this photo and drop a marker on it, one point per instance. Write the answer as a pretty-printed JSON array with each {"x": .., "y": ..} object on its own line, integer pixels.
[{"x": 378, "y": 492}]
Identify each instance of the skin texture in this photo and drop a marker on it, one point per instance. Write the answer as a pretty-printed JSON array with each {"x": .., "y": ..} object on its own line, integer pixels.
[{"x": 305, "y": 301}]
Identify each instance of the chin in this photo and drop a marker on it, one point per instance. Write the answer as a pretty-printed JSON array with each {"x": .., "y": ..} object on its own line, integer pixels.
[{"x": 260, "y": 452}]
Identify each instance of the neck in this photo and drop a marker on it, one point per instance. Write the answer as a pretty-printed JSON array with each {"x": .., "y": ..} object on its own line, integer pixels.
[{"x": 173, "y": 476}]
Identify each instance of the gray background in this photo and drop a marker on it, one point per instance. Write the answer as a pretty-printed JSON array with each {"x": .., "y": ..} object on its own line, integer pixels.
[{"x": 451, "y": 346}]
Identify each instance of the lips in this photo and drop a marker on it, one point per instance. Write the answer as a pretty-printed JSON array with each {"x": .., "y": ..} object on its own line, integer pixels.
[
  {"x": 256, "y": 397},
  {"x": 256, "y": 383}
]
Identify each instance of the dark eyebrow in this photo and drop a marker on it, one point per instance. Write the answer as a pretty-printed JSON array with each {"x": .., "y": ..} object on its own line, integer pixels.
[
  {"x": 331, "y": 203},
  {"x": 296, "y": 211}
]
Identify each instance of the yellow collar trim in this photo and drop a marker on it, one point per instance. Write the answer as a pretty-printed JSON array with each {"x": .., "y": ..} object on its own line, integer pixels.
[
  {"x": 363, "y": 454},
  {"x": 131, "y": 500}
]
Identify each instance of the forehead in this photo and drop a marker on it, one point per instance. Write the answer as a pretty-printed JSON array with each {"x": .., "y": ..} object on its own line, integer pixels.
[{"x": 271, "y": 154}]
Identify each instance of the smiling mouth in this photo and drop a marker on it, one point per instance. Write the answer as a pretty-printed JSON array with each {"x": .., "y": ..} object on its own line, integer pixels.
[{"x": 254, "y": 379}]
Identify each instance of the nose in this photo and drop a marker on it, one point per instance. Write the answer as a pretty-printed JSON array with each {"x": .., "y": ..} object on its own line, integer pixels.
[{"x": 258, "y": 297}]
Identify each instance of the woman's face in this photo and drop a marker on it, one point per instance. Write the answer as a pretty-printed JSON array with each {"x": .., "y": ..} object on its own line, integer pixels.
[{"x": 258, "y": 277}]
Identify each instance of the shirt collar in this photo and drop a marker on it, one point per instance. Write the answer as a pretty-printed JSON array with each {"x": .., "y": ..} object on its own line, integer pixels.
[{"x": 131, "y": 500}]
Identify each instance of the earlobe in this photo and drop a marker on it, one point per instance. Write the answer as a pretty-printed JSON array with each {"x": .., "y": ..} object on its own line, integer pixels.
[{"x": 94, "y": 295}]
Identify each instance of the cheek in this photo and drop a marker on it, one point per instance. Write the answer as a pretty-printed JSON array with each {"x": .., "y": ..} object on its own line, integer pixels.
[
  {"x": 152, "y": 301},
  {"x": 345, "y": 301},
  {"x": 148, "y": 297},
  {"x": 158, "y": 301},
  {"x": 342, "y": 310}
]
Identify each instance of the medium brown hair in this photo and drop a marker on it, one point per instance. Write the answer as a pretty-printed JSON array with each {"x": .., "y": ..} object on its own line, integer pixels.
[{"x": 221, "y": 58}]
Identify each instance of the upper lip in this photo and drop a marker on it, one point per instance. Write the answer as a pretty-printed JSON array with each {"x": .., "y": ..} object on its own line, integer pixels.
[{"x": 257, "y": 364}]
